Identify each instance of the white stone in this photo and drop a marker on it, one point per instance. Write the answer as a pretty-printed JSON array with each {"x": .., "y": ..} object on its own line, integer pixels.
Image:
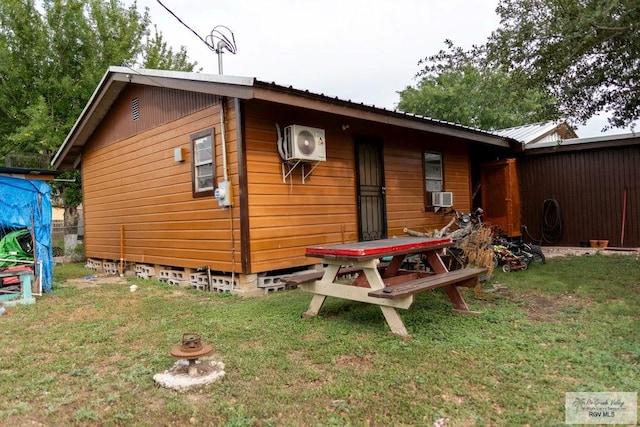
[{"x": 178, "y": 378}]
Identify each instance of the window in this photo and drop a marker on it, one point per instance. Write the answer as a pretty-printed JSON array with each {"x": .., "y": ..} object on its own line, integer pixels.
[
  {"x": 203, "y": 162},
  {"x": 433, "y": 176}
]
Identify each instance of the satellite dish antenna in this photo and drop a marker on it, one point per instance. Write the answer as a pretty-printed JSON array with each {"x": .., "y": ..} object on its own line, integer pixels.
[{"x": 220, "y": 39}]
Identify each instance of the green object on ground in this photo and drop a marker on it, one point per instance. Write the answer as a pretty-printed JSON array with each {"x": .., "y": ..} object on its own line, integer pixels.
[{"x": 17, "y": 246}]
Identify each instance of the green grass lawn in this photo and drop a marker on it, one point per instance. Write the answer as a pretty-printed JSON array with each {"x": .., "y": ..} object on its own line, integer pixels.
[{"x": 85, "y": 353}]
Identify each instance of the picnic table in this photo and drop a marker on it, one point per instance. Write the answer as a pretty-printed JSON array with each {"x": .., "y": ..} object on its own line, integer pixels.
[{"x": 387, "y": 285}]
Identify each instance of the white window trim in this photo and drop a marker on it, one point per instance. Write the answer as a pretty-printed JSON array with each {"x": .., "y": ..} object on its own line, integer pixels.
[
  {"x": 196, "y": 164},
  {"x": 428, "y": 178}
]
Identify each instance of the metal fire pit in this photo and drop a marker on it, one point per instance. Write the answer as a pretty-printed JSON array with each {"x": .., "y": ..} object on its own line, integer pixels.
[{"x": 191, "y": 349}]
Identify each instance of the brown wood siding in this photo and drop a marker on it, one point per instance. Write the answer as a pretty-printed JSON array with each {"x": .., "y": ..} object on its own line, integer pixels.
[
  {"x": 501, "y": 196},
  {"x": 135, "y": 183},
  {"x": 156, "y": 106},
  {"x": 589, "y": 186},
  {"x": 284, "y": 218},
  {"x": 405, "y": 180}
]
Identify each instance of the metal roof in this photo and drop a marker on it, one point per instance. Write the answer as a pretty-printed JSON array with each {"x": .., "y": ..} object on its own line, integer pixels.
[
  {"x": 116, "y": 79},
  {"x": 575, "y": 144},
  {"x": 394, "y": 111},
  {"x": 535, "y": 132},
  {"x": 4, "y": 170}
]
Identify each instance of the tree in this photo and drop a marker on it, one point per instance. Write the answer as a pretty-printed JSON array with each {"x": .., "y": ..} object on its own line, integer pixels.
[
  {"x": 52, "y": 56},
  {"x": 68, "y": 189},
  {"x": 462, "y": 87},
  {"x": 586, "y": 52},
  {"x": 53, "y": 53},
  {"x": 21, "y": 53},
  {"x": 158, "y": 55}
]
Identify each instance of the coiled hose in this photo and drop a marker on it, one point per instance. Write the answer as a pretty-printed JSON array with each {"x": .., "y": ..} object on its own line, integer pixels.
[
  {"x": 551, "y": 221},
  {"x": 551, "y": 230}
]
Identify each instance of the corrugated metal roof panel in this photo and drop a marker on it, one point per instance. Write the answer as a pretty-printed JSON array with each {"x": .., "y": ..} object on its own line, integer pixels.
[
  {"x": 588, "y": 142},
  {"x": 529, "y": 133}
]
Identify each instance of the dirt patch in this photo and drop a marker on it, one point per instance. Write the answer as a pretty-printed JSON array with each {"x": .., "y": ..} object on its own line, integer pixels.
[
  {"x": 540, "y": 308},
  {"x": 634, "y": 287},
  {"x": 5, "y": 311},
  {"x": 497, "y": 289},
  {"x": 354, "y": 361},
  {"x": 561, "y": 251},
  {"x": 93, "y": 281}
]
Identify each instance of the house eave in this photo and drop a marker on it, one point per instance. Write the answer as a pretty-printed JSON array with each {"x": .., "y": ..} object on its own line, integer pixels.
[
  {"x": 304, "y": 99},
  {"x": 116, "y": 80},
  {"x": 44, "y": 174},
  {"x": 581, "y": 144}
]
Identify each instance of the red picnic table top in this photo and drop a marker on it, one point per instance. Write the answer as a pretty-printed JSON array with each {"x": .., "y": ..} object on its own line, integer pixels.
[{"x": 378, "y": 248}]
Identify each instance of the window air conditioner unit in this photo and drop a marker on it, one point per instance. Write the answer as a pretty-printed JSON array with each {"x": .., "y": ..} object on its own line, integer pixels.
[
  {"x": 304, "y": 143},
  {"x": 442, "y": 199}
]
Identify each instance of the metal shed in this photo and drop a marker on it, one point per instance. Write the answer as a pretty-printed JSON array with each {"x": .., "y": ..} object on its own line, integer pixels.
[{"x": 582, "y": 189}]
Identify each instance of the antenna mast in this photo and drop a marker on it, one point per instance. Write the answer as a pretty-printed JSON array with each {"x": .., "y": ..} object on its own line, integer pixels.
[{"x": 220, "y": 39}]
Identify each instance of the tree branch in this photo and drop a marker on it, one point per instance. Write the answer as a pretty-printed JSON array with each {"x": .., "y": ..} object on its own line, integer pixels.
[{"x": 616, "y": 29}]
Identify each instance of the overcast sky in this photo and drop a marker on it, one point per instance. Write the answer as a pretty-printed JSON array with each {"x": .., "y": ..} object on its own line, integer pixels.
[{"x": 361, "y": 50}]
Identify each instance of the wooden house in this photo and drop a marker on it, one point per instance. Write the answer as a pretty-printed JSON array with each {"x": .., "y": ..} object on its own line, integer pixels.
[{"x": 184, "y": 170}]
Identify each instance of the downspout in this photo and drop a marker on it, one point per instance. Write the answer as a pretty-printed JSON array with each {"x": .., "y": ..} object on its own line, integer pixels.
[{"x": 223, "y": 135}]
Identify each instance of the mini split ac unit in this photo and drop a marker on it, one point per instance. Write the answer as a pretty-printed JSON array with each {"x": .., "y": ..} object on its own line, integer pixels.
[
  {"x": 442, "y": 199},
  {"x": 304, "y": 143}
]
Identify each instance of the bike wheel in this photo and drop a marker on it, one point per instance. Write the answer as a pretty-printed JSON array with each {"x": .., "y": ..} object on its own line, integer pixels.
[
  {"x": 537, "y": 255},
  {"x": 496, "y": 260}
]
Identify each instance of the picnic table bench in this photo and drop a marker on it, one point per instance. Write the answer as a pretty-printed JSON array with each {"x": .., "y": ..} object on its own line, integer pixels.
[
  {"x": 467, "y": 277},
  {"x": 386, "y": 285}
]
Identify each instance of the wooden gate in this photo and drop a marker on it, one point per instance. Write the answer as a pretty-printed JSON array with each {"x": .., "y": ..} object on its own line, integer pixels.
[{"x": 501, "y": 195}]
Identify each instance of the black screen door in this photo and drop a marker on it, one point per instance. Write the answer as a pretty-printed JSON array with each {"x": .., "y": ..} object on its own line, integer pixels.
[{"x": 371, "y": 192}]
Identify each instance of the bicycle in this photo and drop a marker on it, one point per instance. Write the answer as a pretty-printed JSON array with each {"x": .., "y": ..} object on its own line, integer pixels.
[{"x": 520, "y": 249}]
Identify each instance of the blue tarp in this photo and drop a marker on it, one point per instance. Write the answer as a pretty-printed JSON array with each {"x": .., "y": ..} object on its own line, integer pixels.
[{"x": 25, "y": 203}]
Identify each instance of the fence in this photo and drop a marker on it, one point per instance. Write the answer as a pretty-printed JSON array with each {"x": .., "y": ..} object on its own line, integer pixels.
[
  {"x": 66, "y": 240},
  {"x": 24, "y": 160}
]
